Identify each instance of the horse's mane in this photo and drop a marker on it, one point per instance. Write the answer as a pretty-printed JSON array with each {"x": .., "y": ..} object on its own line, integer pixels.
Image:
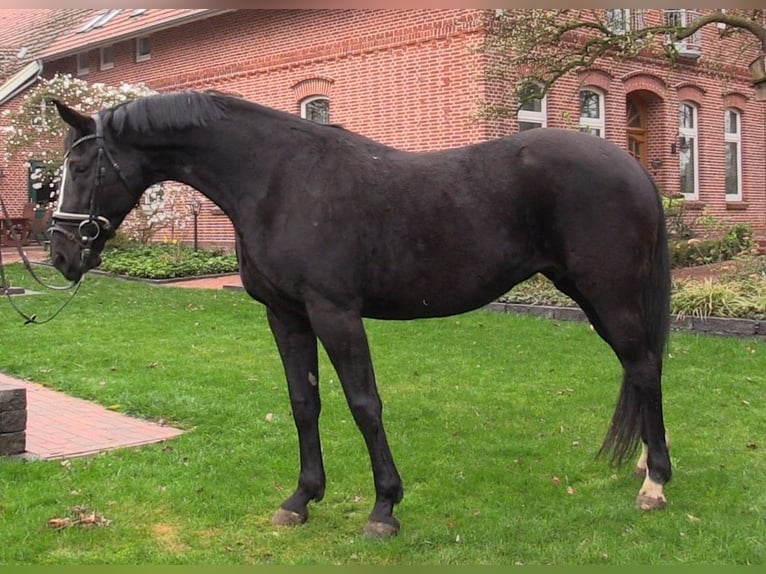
[{"x": 175, "y": 110}]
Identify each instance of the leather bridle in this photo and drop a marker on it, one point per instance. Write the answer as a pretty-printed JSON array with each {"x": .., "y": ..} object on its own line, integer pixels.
[{"x": 86, "y": 227}]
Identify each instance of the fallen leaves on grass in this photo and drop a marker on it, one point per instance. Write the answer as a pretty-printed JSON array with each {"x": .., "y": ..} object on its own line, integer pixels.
[{"x": 81, "y": 517}]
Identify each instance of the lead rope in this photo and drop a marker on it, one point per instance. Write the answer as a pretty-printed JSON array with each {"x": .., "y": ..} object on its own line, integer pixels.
[{"x": 6, "y": 287}]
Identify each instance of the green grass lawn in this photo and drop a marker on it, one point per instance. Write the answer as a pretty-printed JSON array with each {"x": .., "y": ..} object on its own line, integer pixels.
[{"x": 494, "y": 421}]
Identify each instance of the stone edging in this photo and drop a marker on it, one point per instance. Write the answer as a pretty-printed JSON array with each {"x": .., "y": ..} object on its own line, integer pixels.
[
  {"x": 730, "y": 327},
  {"x": 158, "y": 281}
]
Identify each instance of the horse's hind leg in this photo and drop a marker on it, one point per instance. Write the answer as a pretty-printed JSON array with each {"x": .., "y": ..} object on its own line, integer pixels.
[
  {"x": 298, "y": 348},
  {"x": 638, "y": 416},
  {"x": 642, "y": 389}
]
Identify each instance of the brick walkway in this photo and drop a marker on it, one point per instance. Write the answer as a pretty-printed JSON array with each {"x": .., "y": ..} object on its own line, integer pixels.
[{"x": 60, "y": 426}]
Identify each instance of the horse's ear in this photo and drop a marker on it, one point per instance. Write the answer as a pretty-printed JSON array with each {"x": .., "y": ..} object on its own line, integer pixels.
[{"x": 79, "y": 121}]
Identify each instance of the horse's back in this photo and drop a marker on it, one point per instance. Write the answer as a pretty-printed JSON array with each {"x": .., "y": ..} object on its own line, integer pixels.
[{"x": 472, "y": 222}]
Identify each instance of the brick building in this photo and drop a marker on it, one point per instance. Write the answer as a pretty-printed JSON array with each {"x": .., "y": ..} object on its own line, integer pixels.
[{"x": 413, "y": 79}]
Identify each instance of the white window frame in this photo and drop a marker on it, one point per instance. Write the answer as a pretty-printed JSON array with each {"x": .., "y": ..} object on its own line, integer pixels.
[
  {"x": 693, "y": 133},
  {"x": 306, "y": 101},
  {"x": 624, "y": 20},
  {"x": 589, "y": 124},
  {"x": 83, "y": 63},
  {"x": 100, "y": 20},
  {"x": 143, "y": 56},
  {"x": 103, "y": 63},
  {"x": 734, "y": 138},
  {"x": 532, "y": 116},
  {"x": 690, "y": 47}
]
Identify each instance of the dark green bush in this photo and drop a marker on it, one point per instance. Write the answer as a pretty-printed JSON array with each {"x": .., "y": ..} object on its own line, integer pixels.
[
  {"x": 689, "y": 252},
  {"x": 165, "y": 260}
]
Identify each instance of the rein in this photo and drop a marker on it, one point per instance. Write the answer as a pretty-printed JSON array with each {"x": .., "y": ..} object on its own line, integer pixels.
[
  {"x": 77, "y": 227},
  {"x": 5, "y": 285}
]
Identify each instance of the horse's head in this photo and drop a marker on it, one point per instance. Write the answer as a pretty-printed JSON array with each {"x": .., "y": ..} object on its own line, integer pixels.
[{"x": 100, "y": 184}]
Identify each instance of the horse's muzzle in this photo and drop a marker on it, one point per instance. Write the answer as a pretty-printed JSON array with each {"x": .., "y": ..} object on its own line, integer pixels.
[{"x": 71, "y": 258}]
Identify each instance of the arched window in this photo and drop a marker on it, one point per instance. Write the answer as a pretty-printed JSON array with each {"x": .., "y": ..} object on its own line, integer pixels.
[
  {"x": 592, "y": 111},
  {"x": 688, "y": 150},
  {"x": 316, "y": 109},
  {"x": 532, "y": 113},
  {"x": 732, "y": 135}
]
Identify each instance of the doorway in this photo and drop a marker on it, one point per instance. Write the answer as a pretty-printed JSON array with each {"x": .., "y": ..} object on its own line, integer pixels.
[{"x": 636, "y": 115}]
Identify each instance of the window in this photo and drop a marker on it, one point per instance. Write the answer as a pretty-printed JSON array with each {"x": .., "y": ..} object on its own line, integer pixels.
[
  {"x": 532, "y": 113},
  {"x": 687, "y": 150},
  {"x": 143, "y": 49},
  {"x": 623, "y": 20},
  {"x": 100, "y": 20},
  {"x": 83, "y": 63},
  {"x": 733, "y": 141},
  {"x": 41, "y": 183},
  {"x": 107, "y": 57},
  {"x": 592, "y": 112},
  {"x": 690, "y": 47},
  {"x": 316, "y": 109},
  {"x": 637, "y": 126}
]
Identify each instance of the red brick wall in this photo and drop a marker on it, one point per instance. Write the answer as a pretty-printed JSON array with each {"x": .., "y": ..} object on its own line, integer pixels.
[
  {"x": 712, "y": 96},
  {"x": 411, "y": 79},
  {"x": 407, "y": 78},
  {"x": 13, "y": 183},
  {"x": 702, "y": 82}
]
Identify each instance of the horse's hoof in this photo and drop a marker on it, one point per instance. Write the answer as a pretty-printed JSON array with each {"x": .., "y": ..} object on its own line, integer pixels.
[
  {"x": 646, "y": 502},
  {"x": 380, "y": 530},
  {"x": 288, "y": 518}
]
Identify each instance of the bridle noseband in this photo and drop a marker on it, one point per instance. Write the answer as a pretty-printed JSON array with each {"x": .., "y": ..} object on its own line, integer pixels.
[
  {"x": 78, "y": 227},
  {"x": 86, "y": 227}
]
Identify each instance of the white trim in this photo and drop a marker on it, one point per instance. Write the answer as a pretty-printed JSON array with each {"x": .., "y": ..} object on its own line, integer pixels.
[
  {"x": 693, "y": 133},
  {"x": 20, "y": 81},
  {"x": 130, "y": 34},
  {"x": 99, "y": 20},
  {"x": 623, "y": 20},
  {"x": 145, "y": 56},
  {"x": 306, "y": 101},
  {"x": 735, "y": 138},
  {"x": 83, "y": 70},
  {"x": 534, "y": 117},
  {"x": 589, "y": 124},
  {"x": 102, "y": 64},
  {"x": 690, "y": 47}
]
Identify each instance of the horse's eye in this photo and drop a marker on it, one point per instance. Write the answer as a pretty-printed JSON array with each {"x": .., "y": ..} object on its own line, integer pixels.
[{"x": 79, "y": 168}]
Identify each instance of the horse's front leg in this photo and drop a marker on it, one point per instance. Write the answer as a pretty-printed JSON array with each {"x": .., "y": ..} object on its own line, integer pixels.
[
  {"x": 343, "y": 336},
  {"x": 298, "y": 348}
]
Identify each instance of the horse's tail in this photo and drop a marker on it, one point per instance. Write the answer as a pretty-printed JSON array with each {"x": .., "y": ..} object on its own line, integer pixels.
[{"x": 624, "y": 432}]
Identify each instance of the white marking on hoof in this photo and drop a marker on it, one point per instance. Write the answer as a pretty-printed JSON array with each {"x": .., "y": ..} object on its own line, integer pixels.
[
  {"x": 379, "y": 530},
  {"x": 650, "y": 497},
  {"x": 640, "y": 471},
  {"x": 287, "y": 518}
]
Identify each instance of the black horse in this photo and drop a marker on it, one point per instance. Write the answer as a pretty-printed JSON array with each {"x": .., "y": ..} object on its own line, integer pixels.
[{"x": 332, "y": 227}]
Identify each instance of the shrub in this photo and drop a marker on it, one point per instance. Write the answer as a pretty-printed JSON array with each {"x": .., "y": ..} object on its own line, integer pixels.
[
  {"x": 688, "y": 252},
  {"x": 165, "y": 260},
  {"x": 707, "y": 298},
  {"x": 740, "y": 292}
]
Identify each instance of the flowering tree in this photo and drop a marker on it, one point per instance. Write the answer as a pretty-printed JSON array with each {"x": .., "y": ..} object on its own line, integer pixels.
[
  {"x": 534, "y": 48},
  {"x": 35, "y": 132}
]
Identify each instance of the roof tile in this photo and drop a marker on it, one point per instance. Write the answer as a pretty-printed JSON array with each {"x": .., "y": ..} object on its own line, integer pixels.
[{"x": 121, "y": 26}]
